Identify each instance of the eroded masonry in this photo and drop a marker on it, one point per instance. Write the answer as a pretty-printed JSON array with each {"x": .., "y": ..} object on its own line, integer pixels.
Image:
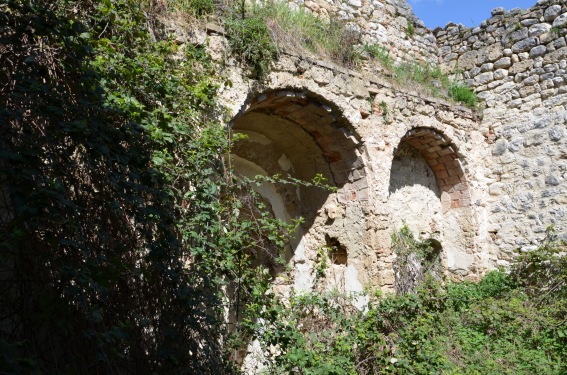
[{"x": 481, "y": 183}]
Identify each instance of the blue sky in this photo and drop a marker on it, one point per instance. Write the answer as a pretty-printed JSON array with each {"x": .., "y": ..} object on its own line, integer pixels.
[{"x": 468, "y": 12}]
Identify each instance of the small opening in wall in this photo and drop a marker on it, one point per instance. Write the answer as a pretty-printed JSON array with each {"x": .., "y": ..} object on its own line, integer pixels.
[
  {"x": 434, "y": 254},
  {"x": 337, "y": 251}
]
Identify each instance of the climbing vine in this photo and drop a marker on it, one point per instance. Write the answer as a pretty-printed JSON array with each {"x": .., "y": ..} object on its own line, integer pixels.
[{"x": 120, "y": 222}]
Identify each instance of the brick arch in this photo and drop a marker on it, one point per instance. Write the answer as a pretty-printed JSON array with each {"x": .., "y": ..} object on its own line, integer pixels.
[
  {"x": 445, "y": 162},
  {"x": 323, "y": 122}
]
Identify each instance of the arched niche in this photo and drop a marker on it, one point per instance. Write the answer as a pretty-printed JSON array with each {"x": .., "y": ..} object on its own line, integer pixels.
[
  {"x": 429, "y": 192},
  {"x": 300, "y": 134}
]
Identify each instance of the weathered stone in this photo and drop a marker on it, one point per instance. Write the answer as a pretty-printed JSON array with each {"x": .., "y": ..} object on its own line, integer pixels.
[
  {"x": 552, "y": 12},
  {"x": 557, "y": 55},
  {"x": 497, "y": 188},
  {"x": 498, "y": 11},
  {"x": 529, "y": 22},
  {"x": 531, "y": 80},
  {"x": 468, "y": 60},
  {"x": 524, "y": 45},
  {"x": 484, "y": 78},
  {"x": 518, "y": 35},
  {"x": 500, "y": 147},
  {"x": 539, "y": 29},
  {"x": 521, "y": 66},
  {"x": 560, "y": 21},
  {"x": 538, "y": 51},
  {"x": 487, "y": 67},
  {"x": 500, "y": 74},
  {"x": 556, "y": 133},
  {"x": 552, "y": 180}
]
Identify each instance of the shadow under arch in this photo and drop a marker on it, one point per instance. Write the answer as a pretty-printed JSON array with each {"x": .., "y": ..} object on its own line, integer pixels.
[
  {"x": 429, "y": 191},
  {"x": 300, "y": 134}
]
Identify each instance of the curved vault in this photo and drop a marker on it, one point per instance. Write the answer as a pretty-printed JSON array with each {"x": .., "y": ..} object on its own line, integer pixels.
[
  {"x": 429, "y": 191},
  {"x": 299, "y": 134}
]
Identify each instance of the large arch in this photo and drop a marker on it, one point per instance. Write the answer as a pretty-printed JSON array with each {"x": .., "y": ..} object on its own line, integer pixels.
[
  {"x": 429, "y": 191},
  {"x": 301, "y": 134}
]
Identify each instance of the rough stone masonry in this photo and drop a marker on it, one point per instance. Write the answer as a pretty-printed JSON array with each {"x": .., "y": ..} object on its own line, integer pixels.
[{"x": 481, "y": 183}]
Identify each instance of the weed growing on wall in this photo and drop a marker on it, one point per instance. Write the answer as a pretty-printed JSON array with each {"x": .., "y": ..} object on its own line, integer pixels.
[
  {"x": 415, "y": 260},
  {"x": 255, "y": 33},
  {"x": 423, "y": 77},
  {"x": 409, "y": 30},
  {"x": 249, "y": 39},
  {"x": 463, "y": 94}
]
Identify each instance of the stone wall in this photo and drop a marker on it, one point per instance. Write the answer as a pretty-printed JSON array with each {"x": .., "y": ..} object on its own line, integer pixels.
[
  {"x": 481, "y": 183},
  {"x": 517, "y": 62},
  {"x": 381, "y": 22},
  {"x": 363, "y": 135}
]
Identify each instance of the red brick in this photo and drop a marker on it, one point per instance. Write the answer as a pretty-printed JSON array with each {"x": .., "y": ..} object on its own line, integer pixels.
[
  {"x": 446, "y": 158},
  {"x": 452, "y": 180},
  {"x": 438, "y": 168},
  {"x": 442, "y": 174},
  {"x": 455, "y": 172},
  {"x": 451, "y": 164},
  {"x": 432, "y": 162},
  {"x": 430, "y": 155},
  {"x": 333, "y": 157},
  {"x": 446, "y": 151}
]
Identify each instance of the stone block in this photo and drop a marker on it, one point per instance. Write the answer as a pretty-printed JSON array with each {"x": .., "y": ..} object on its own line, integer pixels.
[
  {"x": 552, "y": 12},
  {"x": 531, "y": 80},
  {"x": 484, "y": 78},
  {"x": 538, "y": 51},
  {"x": 555, "y": 56},
  {"x": 500, "y": 147},
  {"x": 468, "y": 60},
  {"x": 500, "y": 74},
  {"x": 525, "y": 45},
  {"x": 518, "y": 35},
  {"x": 560, "y": 21},
  {"x": 504, "y": 62},
  {"x": 539, "y": 29},
  {"x": 521, "y": 66}
]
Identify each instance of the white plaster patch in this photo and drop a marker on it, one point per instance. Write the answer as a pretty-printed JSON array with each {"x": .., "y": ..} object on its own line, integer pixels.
[
  {"x": 304, "y": 278},
  {"x": 353, "y": 285},
  {"x": 266, "y": 189},
  {"x": 284, "y": 163}
]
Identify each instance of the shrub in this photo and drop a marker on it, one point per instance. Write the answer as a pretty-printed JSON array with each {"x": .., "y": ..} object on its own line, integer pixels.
[
  {"x": 463, "y": 94},
  {"x": 410, "y": 29},
  {"x": 301, "y": 32},
  {"x": 415, "y": 260},
  {"x": 249, "y": 38}
]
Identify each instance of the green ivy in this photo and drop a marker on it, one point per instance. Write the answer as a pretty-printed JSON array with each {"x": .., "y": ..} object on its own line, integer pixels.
[{"x": 122, "y": 227}]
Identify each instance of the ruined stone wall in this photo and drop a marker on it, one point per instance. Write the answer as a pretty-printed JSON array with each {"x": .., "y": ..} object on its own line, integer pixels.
[
  {"x": 368, "y": 139},
  {"x": 381, "y": 22},
  {"x": 517, "y": 62},
  {"x": 482, "y": 184}
]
